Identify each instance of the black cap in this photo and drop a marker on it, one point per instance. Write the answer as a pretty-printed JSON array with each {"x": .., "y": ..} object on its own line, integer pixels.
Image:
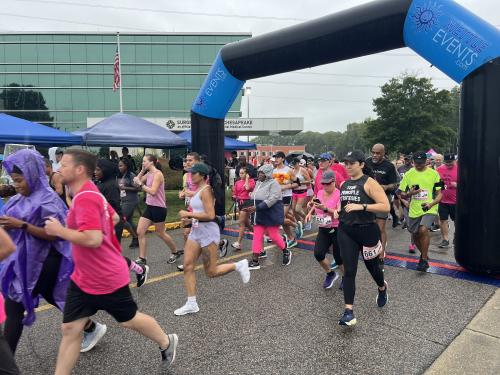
[
  {"x": 420, "y": 157},
  {"x": 356, "y": 155},
  {"x": 449, "y": 157},
  {"x": 280, "y": 154},
  {"x": 408, "y": 157}
]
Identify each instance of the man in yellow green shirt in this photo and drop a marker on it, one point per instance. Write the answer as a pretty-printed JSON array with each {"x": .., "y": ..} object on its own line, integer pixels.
[{"x": 422, "y": 186}]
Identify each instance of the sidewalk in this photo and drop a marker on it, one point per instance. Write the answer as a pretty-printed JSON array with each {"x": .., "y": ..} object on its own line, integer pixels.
[{"x": 477, "y": 348}]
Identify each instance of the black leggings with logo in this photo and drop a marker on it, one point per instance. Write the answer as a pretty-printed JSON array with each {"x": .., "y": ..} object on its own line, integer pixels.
[{"x": 351, "y": 240}]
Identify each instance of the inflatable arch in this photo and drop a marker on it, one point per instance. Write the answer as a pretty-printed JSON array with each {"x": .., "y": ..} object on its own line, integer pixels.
[{"x": 454, "y": 40}]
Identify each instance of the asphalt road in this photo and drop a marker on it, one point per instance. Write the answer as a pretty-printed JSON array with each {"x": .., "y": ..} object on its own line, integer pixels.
[{"x": 282, "y": 322}]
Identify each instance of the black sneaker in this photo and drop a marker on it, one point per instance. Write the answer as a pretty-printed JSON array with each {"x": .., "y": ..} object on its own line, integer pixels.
[
  {"x": 444, "y": 244},
  {"x": 382, "y": 296},
  {"x": 254, "y": 265},
  {"x": 141, "y": 261},
  {"x": 434, "y": 228},
  {"x": 423, "y": 265},
  {"x": 287, "y": 257},
  {"x": 263, "y": 254},
  {"x": 143, "y": 277},
  {"x": 173, "y": 258},
  {"x": 134, "y": 244},
  {"x": 168, "y": 355},
  {"x": 223, "y": 245},
  {"x": 347, "y": 318}
]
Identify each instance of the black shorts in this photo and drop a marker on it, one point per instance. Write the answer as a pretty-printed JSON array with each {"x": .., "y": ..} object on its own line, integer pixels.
[
  {"x": 119, "y": 304},
  {"x": 446, "y": 211},
  {"x": 287, "y": 201},
  {"x": 155, "y": 214}
]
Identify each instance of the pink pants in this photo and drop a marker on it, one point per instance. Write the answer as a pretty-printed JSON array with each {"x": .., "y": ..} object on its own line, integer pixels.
[{"x": 258, "y": 237}]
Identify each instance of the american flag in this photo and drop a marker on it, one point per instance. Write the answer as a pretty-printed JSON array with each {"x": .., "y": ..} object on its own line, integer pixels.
[{"x": 116, "y": 67}]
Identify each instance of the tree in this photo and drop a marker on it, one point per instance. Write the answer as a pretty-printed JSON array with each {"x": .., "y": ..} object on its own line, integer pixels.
[
  {"x": 26, "y": 104},
  {"x": 412, "y": 115}
]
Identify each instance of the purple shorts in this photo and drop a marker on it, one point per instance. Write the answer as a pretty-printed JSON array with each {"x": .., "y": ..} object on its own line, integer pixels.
[{"x": 205, "y": 234}]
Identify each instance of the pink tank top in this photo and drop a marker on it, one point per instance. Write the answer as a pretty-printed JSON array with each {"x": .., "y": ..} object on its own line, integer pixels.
[
  {"x": 157, "y": 200},
  {"x": 332, "y": 202}
]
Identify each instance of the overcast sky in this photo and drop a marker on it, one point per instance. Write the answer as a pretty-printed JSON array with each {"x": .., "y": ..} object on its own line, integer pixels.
[{"x": 320, "y": 96}]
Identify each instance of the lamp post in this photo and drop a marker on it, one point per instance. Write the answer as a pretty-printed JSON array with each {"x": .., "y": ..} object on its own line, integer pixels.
[{"x": 246, "y": 92}]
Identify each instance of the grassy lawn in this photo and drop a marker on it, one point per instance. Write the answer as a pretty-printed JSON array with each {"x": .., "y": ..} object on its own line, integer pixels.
[{"x": 174, "y": 205}]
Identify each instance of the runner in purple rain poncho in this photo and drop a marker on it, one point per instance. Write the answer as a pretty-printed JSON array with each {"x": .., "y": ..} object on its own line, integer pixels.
[{"x": 42, "y": 264}]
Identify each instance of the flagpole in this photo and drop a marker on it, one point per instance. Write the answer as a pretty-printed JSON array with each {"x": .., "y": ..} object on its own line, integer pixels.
[{"x": 120, "y": 70}]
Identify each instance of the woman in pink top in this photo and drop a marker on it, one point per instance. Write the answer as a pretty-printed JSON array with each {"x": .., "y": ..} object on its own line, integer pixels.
[
  {"x": 241, "y": 193},
  {"x": 325, "y": 206},
  {"x": 152, "y": 182},
  {"x": 7, "y": 364}
]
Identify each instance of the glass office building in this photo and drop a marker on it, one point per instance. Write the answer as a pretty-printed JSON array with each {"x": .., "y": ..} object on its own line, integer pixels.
[{"x": 62, "y": 79}]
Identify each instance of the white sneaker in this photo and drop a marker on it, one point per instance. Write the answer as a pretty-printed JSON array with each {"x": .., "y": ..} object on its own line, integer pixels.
[
  {"x": 236, "y": 245},
  {"x": 244, "y": 271},
  {"x": 188, "y": 308},
  {"x": 90, "y": 339}
]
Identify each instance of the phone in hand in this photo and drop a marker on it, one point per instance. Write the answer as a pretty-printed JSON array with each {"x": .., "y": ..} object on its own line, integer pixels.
[
  {"x": 424, "y": 207},
  {"x": 316, "y": 200},
  {"x": 416, "y": 187}
]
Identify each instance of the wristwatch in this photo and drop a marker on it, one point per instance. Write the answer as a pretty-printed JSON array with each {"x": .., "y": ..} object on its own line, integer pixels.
[
  {"x": 364, "y": 206},
  {"x": 325, "y": 210},
  {"x": 24, "y": 226}
]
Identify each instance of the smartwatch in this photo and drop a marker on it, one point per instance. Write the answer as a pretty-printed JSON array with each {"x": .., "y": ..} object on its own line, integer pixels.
[
  {"x": 24, "y": 226},
  {"x": 364, "y": 206}
]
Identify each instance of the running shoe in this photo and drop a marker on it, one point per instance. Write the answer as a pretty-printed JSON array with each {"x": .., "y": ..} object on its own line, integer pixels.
[
  {"x": 90, "y": 339},
  {"x": 254, "y": 265},
  {"x": 244, "y": 271},
  {"x": 444, "y": 244},
  {"x": 267, "y": 239},
  {"x": 173, "y": 258},
  {"x": 423, "y": 265},
  {"x": 347, "y": 318},
  {"x": 395, "y": 222},
  {"x": 334, "y": 265},
  {"x": 308, "y": 226},
  {"x": 180, "y": 267},
  {"x": 168, "y": 355},
  {"x": 223, "y": 247},
  {"x": 263, "y": 254},
  {"x": 291, "y": 243},
  {"x": 188, "y": 308},
  {"x": 382, "y": 297},
  {"x": 141, "y": 260},
  {"x": 299, "y": 229},
  {"x": 341, "y": 285},
  {"x": 134, "y": 244},
  {"x": 236, "y": 245},
  {"x": 434, "y": 228},
  {"x": 330, "y": 279},
  {"x": 404, "y": 226},
  {"x": 287, "y": 257},
  {"x": 411, "y": 249},
  {"x": 143, "y": 277}
]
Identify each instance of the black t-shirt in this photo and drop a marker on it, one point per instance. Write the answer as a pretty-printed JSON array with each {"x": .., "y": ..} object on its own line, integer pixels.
[
  {"x": 384, "y": 173},
  {"x": 353, "y": 191}
]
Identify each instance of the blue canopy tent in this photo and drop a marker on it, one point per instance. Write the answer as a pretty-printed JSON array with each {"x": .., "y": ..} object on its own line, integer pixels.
[
  {"x": 121, "y": 129},
  {"x": 17, "y": 130},
  {"x": 230, "y": 144}
]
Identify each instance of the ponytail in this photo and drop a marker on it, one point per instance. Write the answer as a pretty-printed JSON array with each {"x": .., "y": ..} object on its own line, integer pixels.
[{"x": 152, "y": 158}]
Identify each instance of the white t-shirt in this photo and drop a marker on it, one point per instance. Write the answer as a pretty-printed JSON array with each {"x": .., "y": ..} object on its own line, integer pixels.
[{"x": 283, "y": 176}]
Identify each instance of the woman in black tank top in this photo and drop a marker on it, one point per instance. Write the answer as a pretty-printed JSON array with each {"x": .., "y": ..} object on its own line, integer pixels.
[{"x": 361, "y": 197}]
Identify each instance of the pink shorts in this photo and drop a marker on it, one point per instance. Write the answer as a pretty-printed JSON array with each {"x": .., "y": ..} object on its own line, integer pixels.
[{"x": 299, "y": 195}]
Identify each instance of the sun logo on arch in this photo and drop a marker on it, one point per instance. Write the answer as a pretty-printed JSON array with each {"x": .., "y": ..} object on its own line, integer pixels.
[{"x": 426, "y": 17}]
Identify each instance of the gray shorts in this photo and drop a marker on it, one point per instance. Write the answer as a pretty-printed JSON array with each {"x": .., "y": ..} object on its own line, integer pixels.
[
  {"x": 425, "y": 220},
  {"x": 205, "y": 234}
]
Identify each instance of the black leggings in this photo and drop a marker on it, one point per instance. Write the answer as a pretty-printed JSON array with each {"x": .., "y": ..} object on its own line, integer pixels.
[
  {"x": 7, "y": 363},
  {"x": 128, "y": 209},
  {"x": 351, "y": 239},
  {"x": 44, "y": 287},
  {"x": 324, "y": 240}
]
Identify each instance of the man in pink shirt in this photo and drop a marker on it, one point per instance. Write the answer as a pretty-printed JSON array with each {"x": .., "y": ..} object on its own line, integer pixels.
[
  {"x": 325, "y": 162},
  {"x": 449, "y": 175},
  {"x": 100, "y": 278}
]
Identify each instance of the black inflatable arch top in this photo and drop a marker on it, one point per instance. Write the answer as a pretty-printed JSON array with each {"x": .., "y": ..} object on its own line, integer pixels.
[{"x": 463, "y": 46}]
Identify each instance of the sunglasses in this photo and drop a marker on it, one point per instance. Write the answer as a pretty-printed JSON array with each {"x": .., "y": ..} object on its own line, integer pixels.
[{"x": 327, "y": 183}]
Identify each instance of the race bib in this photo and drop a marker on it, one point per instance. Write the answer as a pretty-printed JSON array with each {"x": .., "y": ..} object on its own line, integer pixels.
[
  {"x": 123, "y": 193},
  {"x": 422, "y": 196},
  {"x": 187, "y": 200},
  {"x": 372, "y": 252},
  {"x": 324, "y": 221}
]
